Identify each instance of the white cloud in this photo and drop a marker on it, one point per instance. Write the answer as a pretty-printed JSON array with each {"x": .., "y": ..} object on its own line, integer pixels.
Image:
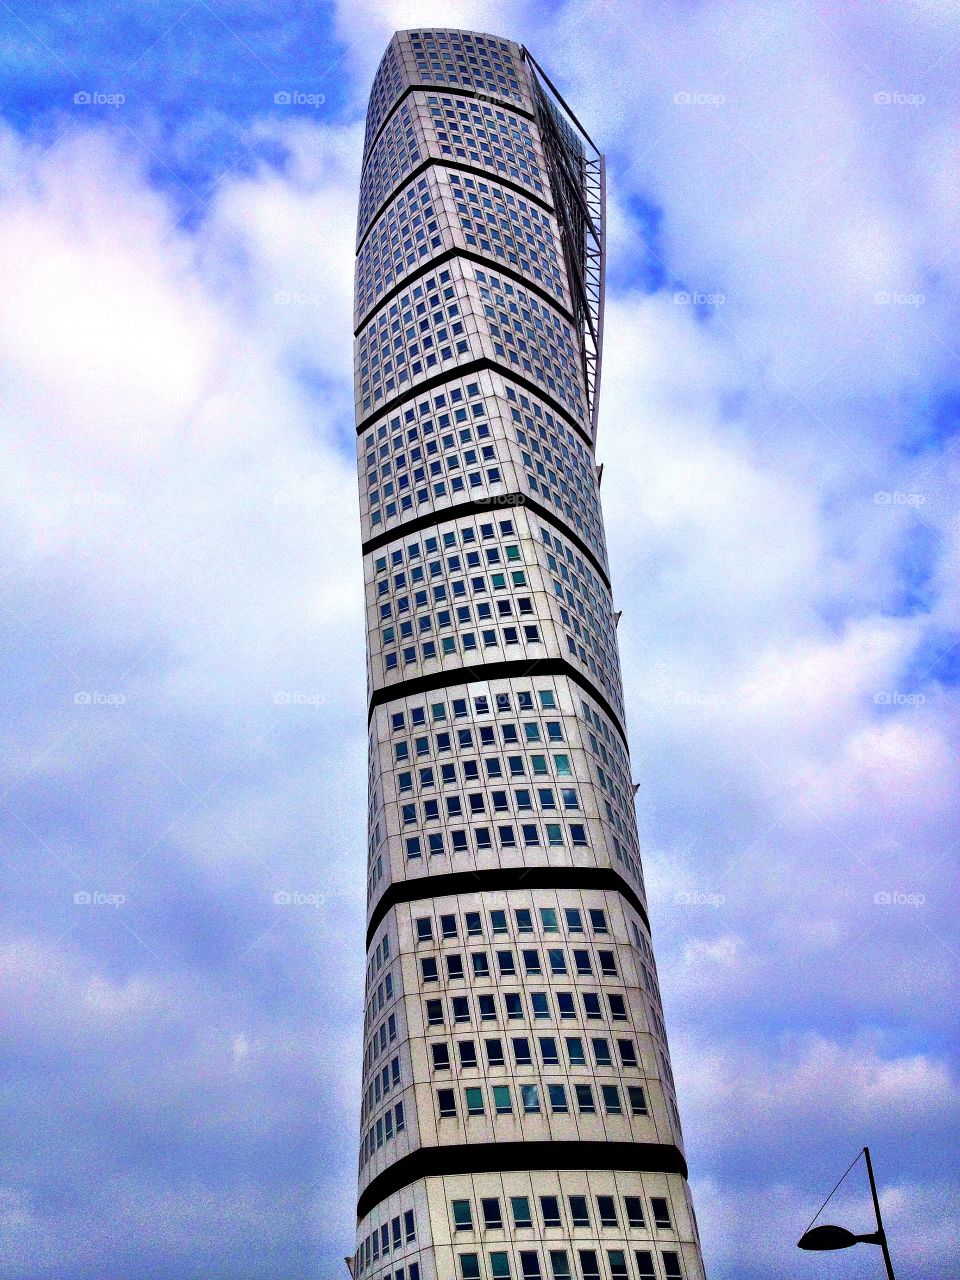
[{"x": 181, "y": 528}]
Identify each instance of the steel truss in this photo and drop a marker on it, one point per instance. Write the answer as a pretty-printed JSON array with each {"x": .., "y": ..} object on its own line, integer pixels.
[{"x": 578, "y": 181}]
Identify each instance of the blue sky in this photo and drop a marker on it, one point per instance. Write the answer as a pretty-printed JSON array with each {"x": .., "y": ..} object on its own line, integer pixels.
[{"x": 181, "y": 611}]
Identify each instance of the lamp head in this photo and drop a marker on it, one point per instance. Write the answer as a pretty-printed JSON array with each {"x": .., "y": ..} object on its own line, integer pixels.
[{"x": 830, "y": 1237}]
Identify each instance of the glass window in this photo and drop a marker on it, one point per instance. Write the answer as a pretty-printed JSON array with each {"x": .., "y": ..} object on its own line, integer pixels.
[
  {"x": 618, "y": 1009},
  {"x": 601, "y": 1051},
  {"x": 661, "y": 1213},
  {"x": 575, "y": 1051},
  {"x": 574, "y": 919},
  {"x": 550, "y": 1210},
  {"x": 462, "y": 1216},
  {"x": 618, "y": 1263},
  {"x": 530, "y": 1264},
  {"x": 638, "y": 1100},
  {"x": 521, "y": 1051},
  {"x": 494, "y": 1050},
  {"x": 645, "y": 1268},
  {"x": 634, "y": 1208},
  {"x": 607, "y": 1209},
  {"x": 579, "y": 1211},
  {"x": 558, "y": 1097},
  {"x": 461, "y": 1008},
  {"x": 565, "y": 1004},
  {"x": 548, "y": 1051},
  {"x": 488, "y": 1008},
  {"x": 492, "y": 1217},
  {"x": 589, "y": 1266},
  {"x": 559, "y": 1264},
  {"x": 520, "y": 1209},
  {"x": 474, "y": 1101},
  {"x": 611, "y": 1100}
]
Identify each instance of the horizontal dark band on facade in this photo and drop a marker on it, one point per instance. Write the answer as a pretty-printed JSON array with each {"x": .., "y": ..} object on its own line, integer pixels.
[
  {"x": 497, "y": 879},
  {"x": 496, "y": 1157},
  {"x": 505, "y": 670},
  {"x": 463, "y": 371},
  {"x": 431, "y": 264},
  {"x": 486, "y": 507},
  {"x": 462, "y": 90},
  {"x": 462, "y": 167}
]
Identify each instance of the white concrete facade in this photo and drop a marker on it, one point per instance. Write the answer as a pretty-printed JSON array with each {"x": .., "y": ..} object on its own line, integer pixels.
[{"x": 519, "y": 1118}]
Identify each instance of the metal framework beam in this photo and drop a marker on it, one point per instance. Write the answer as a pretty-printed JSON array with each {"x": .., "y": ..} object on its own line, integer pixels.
[{"x": 578, "y": 179}]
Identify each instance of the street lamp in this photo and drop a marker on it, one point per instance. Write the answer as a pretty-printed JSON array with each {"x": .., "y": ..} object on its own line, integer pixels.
[{"x": 831, "y": 1237}]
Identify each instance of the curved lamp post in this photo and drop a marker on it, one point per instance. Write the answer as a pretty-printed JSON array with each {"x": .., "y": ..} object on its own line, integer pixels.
[{"x": 831, "y": 1237}]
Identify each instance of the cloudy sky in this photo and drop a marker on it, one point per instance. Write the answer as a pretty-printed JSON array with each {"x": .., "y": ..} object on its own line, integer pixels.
[{"x": 183, "y": 724}]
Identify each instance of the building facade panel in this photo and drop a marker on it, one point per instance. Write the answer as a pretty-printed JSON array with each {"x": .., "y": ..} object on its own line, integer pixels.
[
  {"x": 518, "y": 1114},
  {"x": 513, "y": 1011},
  {"x": 483, "y": 137},
  {"x": 497, "y": 774},
  {"x": 445, "y": 210},
  {"x": 462, "y": 314},
  {"x": 500, "y": 585},
  {"x": 481, "y": 439},
  {"x": 469, "y": 61}
]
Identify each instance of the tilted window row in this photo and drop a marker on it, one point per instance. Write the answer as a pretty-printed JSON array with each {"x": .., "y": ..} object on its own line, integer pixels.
[
  {"x": 549, "y": 1047},
  {"x": 588, "y": 1261},
  {"x": 499, "y": 1100},
  {"x": 575, "y": 1215},
  {"x": 499, "y": 923},
  {"x": 528, "y": 1005},
  {"x": 402, "y": 470}
]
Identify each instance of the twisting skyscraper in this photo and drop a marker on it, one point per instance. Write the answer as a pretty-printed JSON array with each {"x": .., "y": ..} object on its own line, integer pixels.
[{"x": 518, "y": 1115}]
